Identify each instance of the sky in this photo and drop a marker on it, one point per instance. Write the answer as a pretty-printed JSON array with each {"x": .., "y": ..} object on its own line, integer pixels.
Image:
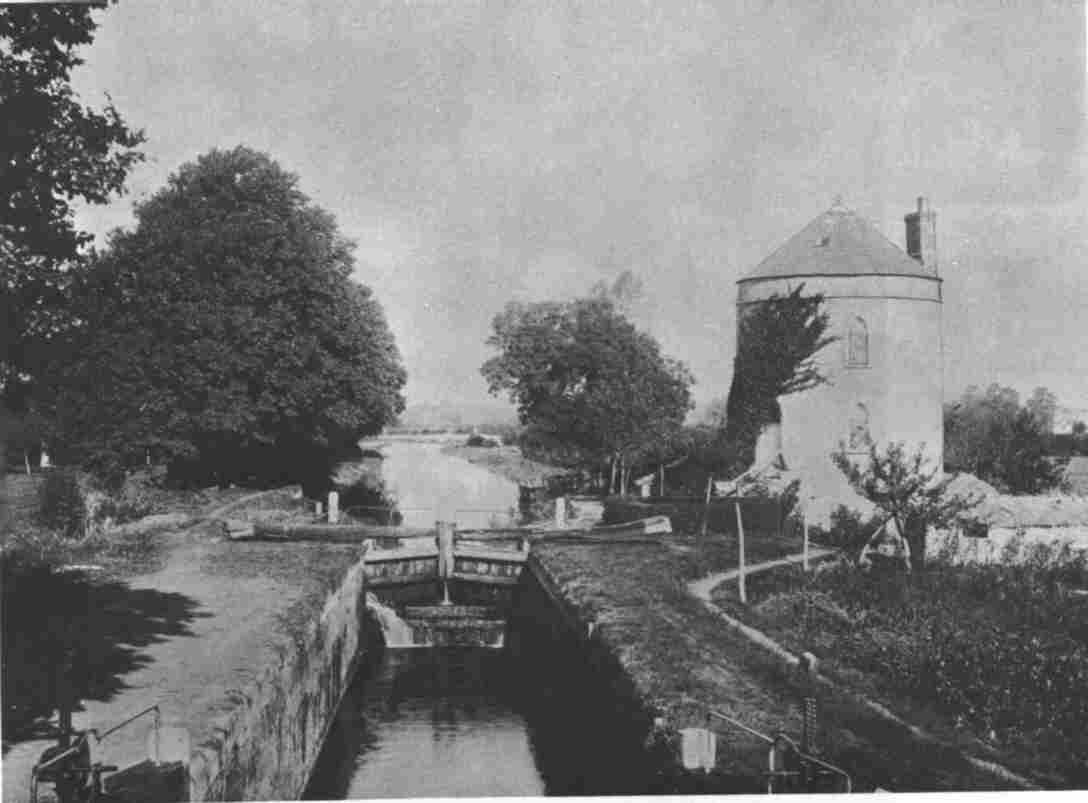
[{"x": 480, "y": 152}]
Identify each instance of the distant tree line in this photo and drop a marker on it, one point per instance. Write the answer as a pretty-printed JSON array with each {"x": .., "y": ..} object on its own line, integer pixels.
[
  {"x": 994, "y": 436},
  {"x": 223, "y": 337}
]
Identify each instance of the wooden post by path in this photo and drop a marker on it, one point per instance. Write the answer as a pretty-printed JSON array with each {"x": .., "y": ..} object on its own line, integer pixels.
[
  {"x": 706, "y": 505},
  {"x": 740, "y": 559},
  {"x": 804, "y": 535},
  {"x": 334, "y": 507}
]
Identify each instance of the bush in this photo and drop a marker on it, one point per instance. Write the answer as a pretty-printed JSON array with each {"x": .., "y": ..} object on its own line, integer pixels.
[
  {"x": 60, "y": 503},
  {"x": 850, "y": 531},
  {"x": 481, "y": 441}
]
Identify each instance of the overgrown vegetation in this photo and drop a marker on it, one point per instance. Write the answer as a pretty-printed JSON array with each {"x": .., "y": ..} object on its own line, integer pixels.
[
  {"x": 1001, "y": 649},
  {"x": 61, "y": 506}
]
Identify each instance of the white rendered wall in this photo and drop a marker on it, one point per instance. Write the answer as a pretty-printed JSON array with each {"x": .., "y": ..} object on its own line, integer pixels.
[{"x": 902, "y": 386}]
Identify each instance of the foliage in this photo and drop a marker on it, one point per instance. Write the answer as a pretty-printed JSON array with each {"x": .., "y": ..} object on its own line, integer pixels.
[
  {"x": 1003, "y": 649},
  {"x": 225, "y": 337},
  {"x": 995, "y": 438},
  {"x": 588, "y": 385},
  {"x": 849, "y": 531},
  {"x": 481, "y": 442},
  {"x": 55, "y": 151},
  {"x": 907, "y": 489},
  {"x": 60, "y": 503},
  {"x": 776, "y": 345}
]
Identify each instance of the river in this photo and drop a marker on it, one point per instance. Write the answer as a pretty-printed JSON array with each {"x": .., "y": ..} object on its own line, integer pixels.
[{"x": 433, "y": 722}]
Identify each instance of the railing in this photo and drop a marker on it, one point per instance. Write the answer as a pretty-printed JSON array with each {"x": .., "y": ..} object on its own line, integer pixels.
[
  {"x": 782, "y": 746},
  {"x": 81, "y": 749}
]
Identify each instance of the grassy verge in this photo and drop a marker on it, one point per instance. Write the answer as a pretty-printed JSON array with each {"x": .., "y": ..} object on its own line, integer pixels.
[
  {"x": 684, "y": 661},
  {"x": 990, "y": 658}
]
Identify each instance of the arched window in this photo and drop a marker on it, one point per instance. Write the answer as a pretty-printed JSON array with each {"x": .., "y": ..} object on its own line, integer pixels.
[
  {"x": 857, "y": 344},
  {"x": 860, "y": 438}
]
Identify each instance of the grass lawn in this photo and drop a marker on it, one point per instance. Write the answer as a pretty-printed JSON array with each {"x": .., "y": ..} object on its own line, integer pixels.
[
  {"x": 992, "y": 658},
  {"x": 684, "y": 661}
]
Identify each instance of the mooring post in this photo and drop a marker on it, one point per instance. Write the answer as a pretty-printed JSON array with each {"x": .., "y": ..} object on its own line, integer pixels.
[
  {"x": 444, "y": 540},
  {"x": 561, "y": 513},
  {"x": 740, "y": 559},
  {"x": 334, "y": 507}
]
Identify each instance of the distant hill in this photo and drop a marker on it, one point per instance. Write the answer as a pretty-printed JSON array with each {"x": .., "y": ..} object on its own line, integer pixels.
[{"x": 457, "y": 415}]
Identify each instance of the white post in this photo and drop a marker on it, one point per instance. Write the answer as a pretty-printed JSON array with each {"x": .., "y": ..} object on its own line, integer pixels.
[
  {"x": 317, "y": 508},
  {"x": 804, "y": 529},
  {"x": 740, "y": 560},
  {"x": 334, "y": 507},
  {"x": 444, "y": 541},
  {"x": 561, "y": 513}
]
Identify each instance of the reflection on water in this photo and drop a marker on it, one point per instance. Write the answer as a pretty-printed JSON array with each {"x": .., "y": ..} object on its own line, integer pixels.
[
  {"x": 429, "y": 723},
  {"x": 427, "y": 486}
]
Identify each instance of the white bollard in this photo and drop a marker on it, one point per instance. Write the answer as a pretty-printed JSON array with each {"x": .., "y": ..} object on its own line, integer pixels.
[
  {"x": 698, "y": 749},
  {"x": 334, "y": 507},
  {"x": 561, "y": 513},
  {"x": 317, "y": 508}
]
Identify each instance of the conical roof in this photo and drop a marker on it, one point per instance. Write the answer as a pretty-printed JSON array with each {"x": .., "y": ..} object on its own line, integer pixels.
[{"x": 838, "y": 242}]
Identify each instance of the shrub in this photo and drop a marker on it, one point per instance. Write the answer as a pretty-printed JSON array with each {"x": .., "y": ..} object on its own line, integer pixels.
[
  {"x": 480, "y": 440},
  {"x": 850, "y": 531},
  {"x": 60, "y": 503}
]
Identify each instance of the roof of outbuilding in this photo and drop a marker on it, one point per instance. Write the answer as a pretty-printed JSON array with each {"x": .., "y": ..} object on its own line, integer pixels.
[{"x": 838, "y": 242}]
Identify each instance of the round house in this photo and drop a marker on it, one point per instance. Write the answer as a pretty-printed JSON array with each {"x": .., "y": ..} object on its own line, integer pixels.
[{"x": 884, "y": 370}]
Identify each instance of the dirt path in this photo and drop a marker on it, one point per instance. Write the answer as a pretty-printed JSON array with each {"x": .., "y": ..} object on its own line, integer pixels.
[{"x": 704, "y": 587}]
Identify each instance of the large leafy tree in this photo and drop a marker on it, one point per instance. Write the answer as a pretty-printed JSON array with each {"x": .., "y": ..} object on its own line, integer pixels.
[
  {"x": 777, "y": 341},
  {"x": 53, "y": 151},
  {"x": 224, "y": 335},
  {"x": 990, "y": 434},
  {"x": 589, "y": 386}
]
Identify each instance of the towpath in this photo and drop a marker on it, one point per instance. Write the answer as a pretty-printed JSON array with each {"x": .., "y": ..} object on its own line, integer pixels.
[{"x": 192, "y": 633}]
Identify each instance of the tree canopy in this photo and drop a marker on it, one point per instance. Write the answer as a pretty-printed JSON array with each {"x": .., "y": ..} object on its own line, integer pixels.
[
  {"x": 990, "y": 434},
  {"x": 224, "y": 335},
  {"x": 776, "y": 343},
  {"x": 589, "y": 386},
  {"x": 55, "y": 151}
]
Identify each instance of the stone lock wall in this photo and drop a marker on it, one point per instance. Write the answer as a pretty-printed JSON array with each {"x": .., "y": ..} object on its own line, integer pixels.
[{"x": 266, "y": 746}]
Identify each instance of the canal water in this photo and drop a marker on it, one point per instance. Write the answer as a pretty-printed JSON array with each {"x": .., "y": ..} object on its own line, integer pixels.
[
  {"x": 431, "y": 722},
  {"x": 427, "y": 486}
]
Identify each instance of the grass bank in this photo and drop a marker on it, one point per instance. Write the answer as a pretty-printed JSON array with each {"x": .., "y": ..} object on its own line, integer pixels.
[{"x": 684, "y": 661}]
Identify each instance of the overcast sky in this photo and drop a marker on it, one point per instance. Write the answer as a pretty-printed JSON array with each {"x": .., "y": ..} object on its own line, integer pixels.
[{"x": 484, "y": 151}]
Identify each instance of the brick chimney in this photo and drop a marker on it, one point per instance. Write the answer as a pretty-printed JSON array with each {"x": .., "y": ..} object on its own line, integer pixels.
[{"x": 922, "y": 235}]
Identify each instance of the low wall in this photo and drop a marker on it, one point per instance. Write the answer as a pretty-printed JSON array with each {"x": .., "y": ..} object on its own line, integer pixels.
[{"x": 265, "y": 746}]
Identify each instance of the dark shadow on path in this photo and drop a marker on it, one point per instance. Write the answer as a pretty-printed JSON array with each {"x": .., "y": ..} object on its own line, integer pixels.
[{"x": 98, "y": 628}]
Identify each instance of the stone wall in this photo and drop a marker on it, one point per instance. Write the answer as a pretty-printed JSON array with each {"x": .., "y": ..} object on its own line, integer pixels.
[{"x": 266, "y": 744}]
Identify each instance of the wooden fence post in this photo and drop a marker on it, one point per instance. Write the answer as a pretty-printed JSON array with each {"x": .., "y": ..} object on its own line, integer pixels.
[
  {"x": 804, "y": 530},
  {"x": 334, "y": 507},
  {"x": 561, "y": 513},
  {"x": 740, "y": 560},
  {"x": 706, "y": 505}
]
